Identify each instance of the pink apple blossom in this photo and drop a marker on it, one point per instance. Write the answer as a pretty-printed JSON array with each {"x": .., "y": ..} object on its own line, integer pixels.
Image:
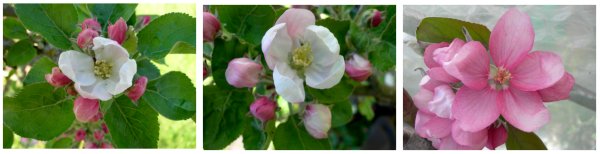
[
  {"x": 376, "y": 19},
  {"x": 358, "y": 68},
  {"x": 80, "y": 135},
  {"x": 263, "y": 108},
  {"x": 243, "y": 72},
  {"x": 317, "y": 120},
  {"x": 85, "y": 37},
  {"x": 57, "y": 78},
  {"x": 85, "y": 109},
  {"x": 99, "y": 135},
  {"x": 211, "y": 26},
  {"x": 118, "y": 31},
  {"x": 91, "y": 23},
  {"x": 137, "y": 90}
]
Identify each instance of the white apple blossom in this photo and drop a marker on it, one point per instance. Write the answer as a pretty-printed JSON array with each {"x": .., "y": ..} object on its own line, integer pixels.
[
  {"x": 109, "y": 72},
  {"x": 297, "y": 50}
]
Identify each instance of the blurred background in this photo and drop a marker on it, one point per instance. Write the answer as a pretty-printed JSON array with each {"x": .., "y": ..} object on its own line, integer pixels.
[
  {"x": 568, "y": 31},
  {"x": 173, "y": 134}
]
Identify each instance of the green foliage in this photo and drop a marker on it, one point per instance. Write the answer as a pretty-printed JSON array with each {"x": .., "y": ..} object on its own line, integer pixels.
[
  {"x": 225, "y": 115},
  {"x": 21, "y": 53},
  {"x": 257, "y": 138},
  {"x": 341, "y": 91},
  {"x": 146, "y": 68},
  {"x": 110, "y": 13},
  {"x": 384, "y": 56},
  {"x": 341, "y": 113},
  {"x": 13, "y": 28},
  {"x": 365, "y": 107},
  {"x": 439, "y": 29},
  {"x": 519, "y": 140},
  {"x": 131, "y": 43},
  {"x": 183, "y": 47},
  {"x": 248, "y": 22},
  {"x": 60, "y": 143},
  {"x": 27, "y": 113},
  {"x": 56, "y": 22},
  {"x": 38, "y": 71},
  {"x": 158, "y": 37},
  {"x": 293, "y": 136},
  {"x": 225, "y": 51},
  {"x": 132, "y": 126},
  {"x": 377, "y": 42},
  {"x": 172, "y": 95},
  {"x": 7, "y": 137}
]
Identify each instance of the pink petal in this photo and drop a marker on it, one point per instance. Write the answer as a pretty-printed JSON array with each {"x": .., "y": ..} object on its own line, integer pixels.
[
  {"x": 511, "y": 39},
  {"x": 438, "y": 73},
  {"x": 560, "y": 90},
  {"x": 441, "y": 103},
  {"x": 443, "y": 55},
  {"x": 296, "y": 20},
  {"x": 496, "y": 137},
  {"x": 429, "y": 84},
  {"x": 428, "y": 54},
  {"x": 524, "y": 109},
  {"x": 475, "y": 139},
  {"x": 422, "y": 98},
  {"x": 470, "y": 65},
  {"x": 448, "y": 143},
  {"x": 475, "y": 110},
  {"x": 537, "y": 71},
  {"x": 431, "y": 126}
]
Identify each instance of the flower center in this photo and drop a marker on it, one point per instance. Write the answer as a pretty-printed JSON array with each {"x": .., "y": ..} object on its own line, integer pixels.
[
  {"x": 499, "y": 77},
  {"x": 302, "y": 57},
  {"x": 102, "y": 69}
]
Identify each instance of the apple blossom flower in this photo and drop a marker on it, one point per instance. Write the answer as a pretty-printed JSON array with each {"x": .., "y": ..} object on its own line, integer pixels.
[
  {"x": 118, "y": 31},
  {"x": 106, "y": 146},
  {"x": 211, "y": 26},
  {"x": 376, "y": 19},
  {"x": 91, "y": 23},
  {"x": 358, "y": 68},
  {"x": 79, "y": 135},
  {"x": 57, "y": 78},
  {"x": 84, "y": 38},
  {"x": 90, "y": 145},
  {"x": 104, "y": 128},
  {"x": 107, "y": 74},
  {"x": 99, "y": 135},
  {"x": 497, "y": 136},
  {"x": 145, "y": 20},
  {"x": 508, "y": 84},
  {"x": 297, "y": 50},
  {"x": 243, "y": 72},
  {"x": 138, "y": 89},
  {"x": 317, "y": 120},
  {"x": 85, "y": 109},
  {"x": 263, "y": 108}
]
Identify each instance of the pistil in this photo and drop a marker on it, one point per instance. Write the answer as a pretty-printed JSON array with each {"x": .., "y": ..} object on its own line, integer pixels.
[{"x": 102, "y": 69}]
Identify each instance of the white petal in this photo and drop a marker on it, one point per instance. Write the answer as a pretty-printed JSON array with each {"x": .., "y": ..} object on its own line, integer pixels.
[
  {"x": 324, "y": 45},
  {"x": 124, "y": 79},
  {"x": 111, "y": 51},
  {"x": 323, "y": 77},
  {"x": 94, "y": 91},
  {"x": 78, "y": 66},
  {"x": 287, "y": 84},
  {"x": 276, "y": 45}
]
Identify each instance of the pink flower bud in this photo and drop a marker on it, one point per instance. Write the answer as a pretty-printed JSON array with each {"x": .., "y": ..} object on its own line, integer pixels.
[
  {"x": 118, "y": 31},
  {"x": 90, "y": 145},
  {"x": 243, "y": 72},
  {"x": 317, "y": 120},
  {"x": 57, "y": 78},
  {"x": 97, "y": 117},
  {"x": 263, "y": 109},
  {"x": 358, "y": 68},
  {"x": 99, "y": 135},
  {"x": 79, "y": 135},
  {"x": 211, "y": 27},
  {"x": 106, "y": 146},
  {"x": 85, "y": 37},
  {"x": 145, "y": 20},
  {"x": 138, "y": 89},
  {"x": 85, "y": 109},
  {"x": 496, "y": 137},
  {"x": 376, "y": 19},
  {"x": 104, "y": 128},
  {"x": 91, "y": 23}
]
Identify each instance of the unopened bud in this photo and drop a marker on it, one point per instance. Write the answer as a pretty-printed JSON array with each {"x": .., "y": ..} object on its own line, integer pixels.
[
  {"x": 211, "y": 27},
  {"x": 358, "y": 68},
  {"x": 118, "y": 31},
  {"x": 85, "y": 37},
  {"x": 85, "y": 109},
  {"x": 138, "y": 89},
  {"x": 243, "y": 72},
  {"x": 317, "y": 120},
  {"x": 57, "y": 78},
  {"x": 91, "y": 23},
  {"x": 263, "y": 108}
]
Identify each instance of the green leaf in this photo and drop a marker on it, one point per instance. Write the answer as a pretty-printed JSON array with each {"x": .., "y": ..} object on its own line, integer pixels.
[
  {"x": 383, "y": 56},
  {"x": 13, "y": 28},
  {"x": 38, "y": 71},
  {"x": 339, "y": 29},
  {"x": 341, "y": 91},
  {"x": 248, "y": 22},
  {"x": 225, "y": 115},
  {"x": 158, "y": 37},
  {"x": 146, "y": 68},
  {"x": 130, "y": 44},
  {"x": 183, "y": 47},
  {"x": 292, "y": 135},
  {"x": 60, "y": 143},
  {"x": 439, "y": 29},
  {"x": 27, "y": 114},
  {"x": 132, "y": 126},
  {"x": 519, "y": 140},
  {"x": 365, "y": 107},
  {"x": 7, "y": 137},
  {"x": 225, "y": 51},
  {"x": 254, "y": 137},
  {"x": 386, "y": 30},
  {"x": 341, "y": 113},
  {"x": 55, "y": 22},
  {"x": 21, "y": 53},
  {"x": 173, "y": 95},
  {"x": 110, "y": 13}
]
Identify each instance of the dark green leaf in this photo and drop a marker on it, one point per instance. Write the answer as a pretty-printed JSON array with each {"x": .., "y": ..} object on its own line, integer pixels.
[
  {"x": 13, "y": 28},
  {"x": 7, "y": 137},
  {"x": 40, "y": 68},
  {"x": 225, "y": 115},
  {"x": 341, "y": 113},
  {"x": 248, "y": 22},
  {"x": 341, "y": 91},
  {"x": 438, "y": 29},
  {"x": 27, "y": 113},
  {"x": 110, "y": 13},
  {"x": 146, "y": 68},
  {"x": 387, "y": 28},
  {"x": 158, "y": 37},
  {"x": 254, "y": 136},
  {"x": 56, "y": 22},
  {"x": 383, "y": 56},
  {"x": 183, "y": 47},
  {"x": 21, "y": 53},
  {"x": 292, "y": 135},
  {"x": 60, "y": 143},
  {"x": 519, "y": 140},
  {"x": 225, "y": 51},
  {"x": 339, "y": 29},
  {"x": 173, "y": 95},
  {"x": 132, "y": 126}
]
